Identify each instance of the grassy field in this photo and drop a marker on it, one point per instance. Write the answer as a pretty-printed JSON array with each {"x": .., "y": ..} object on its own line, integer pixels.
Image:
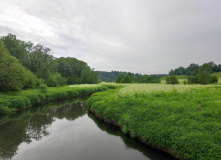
[
  {"x": 185, "y": 119},
  {"x": 12, "y": 101}
]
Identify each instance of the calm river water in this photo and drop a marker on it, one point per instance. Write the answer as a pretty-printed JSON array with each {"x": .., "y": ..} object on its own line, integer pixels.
[{"x": 66, "y": 131}]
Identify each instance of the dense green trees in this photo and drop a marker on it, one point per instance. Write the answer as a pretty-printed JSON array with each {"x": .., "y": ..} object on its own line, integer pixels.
[
  {"x": 16, "y": 48},
  {"x": 149, "y": 79},
  {"x": 14, "y": 76},
  {"x": 127, "y": 78},
  {"x": 88, "y": 76},
  {"x": 204, "y": 76},
  {"x": 193, "y": 69},
  {"x": 56, "y": 80},
  {"x": 75, "y": 71},
  {"x": 34, "y": 64},
  {"x": 172, "y": 80},
  {"x": 109, "y": 76},
  {"x": 119, "y": 78},
  {"x": 193, "y": 80}
]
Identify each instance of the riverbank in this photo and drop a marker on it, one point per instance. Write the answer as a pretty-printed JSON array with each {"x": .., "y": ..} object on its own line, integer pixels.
[
  {"x": 13, "y": 101},
  {"x": 184, "y": 121}
]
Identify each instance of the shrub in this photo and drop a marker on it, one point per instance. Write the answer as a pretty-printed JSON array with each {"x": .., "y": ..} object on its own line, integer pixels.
[
  {"x": 214, "y": 79},
  {"x": 172, "y": 80},
  {"x": 43, "y": 88},
  {"x": 32, "y": 80},
  {"x": 56, "y": 80},
  {"x": 193, "y": 80}
]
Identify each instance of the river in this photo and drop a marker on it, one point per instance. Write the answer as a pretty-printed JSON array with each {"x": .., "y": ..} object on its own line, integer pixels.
[{"x": 67, "y": 131}]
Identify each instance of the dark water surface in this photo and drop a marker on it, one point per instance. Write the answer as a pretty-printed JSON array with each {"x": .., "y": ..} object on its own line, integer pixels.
[{"x": 66, "y": 131}]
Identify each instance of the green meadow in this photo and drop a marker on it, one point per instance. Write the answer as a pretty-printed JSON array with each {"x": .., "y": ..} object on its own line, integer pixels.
[{"x": 184, "y": 120}]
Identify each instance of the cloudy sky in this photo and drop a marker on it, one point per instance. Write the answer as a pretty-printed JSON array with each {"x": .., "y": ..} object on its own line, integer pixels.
[{"x": 140, "y": 36}]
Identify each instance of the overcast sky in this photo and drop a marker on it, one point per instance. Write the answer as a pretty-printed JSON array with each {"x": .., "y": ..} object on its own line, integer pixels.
[{"x": 140, "y": 36}]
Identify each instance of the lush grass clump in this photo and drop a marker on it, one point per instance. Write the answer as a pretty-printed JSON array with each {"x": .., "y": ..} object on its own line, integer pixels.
[
  {"x": 11, "y": 101},
  {"x": 218, "y": 74},
  {"x": 186, "y": 121}
]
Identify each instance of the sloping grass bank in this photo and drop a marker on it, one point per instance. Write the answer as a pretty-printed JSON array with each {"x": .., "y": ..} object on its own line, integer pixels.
[
  {"x": 12, "y": 101},
  {"x": 184, "y": 123}
]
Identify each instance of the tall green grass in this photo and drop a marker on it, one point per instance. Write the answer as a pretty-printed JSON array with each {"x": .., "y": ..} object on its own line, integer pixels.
[
  {"x": 12, "y": 101},
  {"x": 188, "y": 122}
]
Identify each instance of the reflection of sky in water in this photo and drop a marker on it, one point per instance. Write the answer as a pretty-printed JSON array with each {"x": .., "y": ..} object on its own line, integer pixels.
[
  {"x": 53, "y": 132},
  {"x": 79, "y": 140}
]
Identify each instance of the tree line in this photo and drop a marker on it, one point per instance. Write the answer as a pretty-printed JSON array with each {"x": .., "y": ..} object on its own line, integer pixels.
[
  {"x": 26, "y": 65},
  {"x": 193, "y": 69},
  {"x": 136, "y": 77},
  {"x": 129, "y": 78},
  {"x": 203, "y": 76}
]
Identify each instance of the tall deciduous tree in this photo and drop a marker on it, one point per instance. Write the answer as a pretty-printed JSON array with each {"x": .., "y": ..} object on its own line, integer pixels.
[
  {"x": 12, "y": 73},
  {"x": 119, "y": 78},
  {"x": 16, "y": 48},
  {"x": 127, "y": 78},
  {"x": 204, "y": 76}
]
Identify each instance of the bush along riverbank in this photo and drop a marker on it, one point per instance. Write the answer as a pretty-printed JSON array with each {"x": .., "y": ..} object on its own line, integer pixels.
[
  {"x": 12, "y": 101},
  {"x": 186, "y": 124}
]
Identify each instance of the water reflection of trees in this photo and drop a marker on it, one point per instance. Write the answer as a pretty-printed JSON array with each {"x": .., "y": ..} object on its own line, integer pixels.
[
  {"x": 130, "y": 142},
  {"x": 33, "y": 124}
]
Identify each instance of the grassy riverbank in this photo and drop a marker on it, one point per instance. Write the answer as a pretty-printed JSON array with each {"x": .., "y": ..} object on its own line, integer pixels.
[
  {"x": 12, "y": 101},
  {"x": 183, "y": 119}
]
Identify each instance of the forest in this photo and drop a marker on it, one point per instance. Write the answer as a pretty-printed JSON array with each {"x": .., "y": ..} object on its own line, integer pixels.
[
  {"x": 27, "y": 65},
  {"x": 195, "y": 74},
  {"x": 117, "y": 76},
  {"x": 193, "y": 69}
]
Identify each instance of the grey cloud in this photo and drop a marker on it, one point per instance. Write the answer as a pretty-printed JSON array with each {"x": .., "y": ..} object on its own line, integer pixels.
[{"x": 138, "y": 36}]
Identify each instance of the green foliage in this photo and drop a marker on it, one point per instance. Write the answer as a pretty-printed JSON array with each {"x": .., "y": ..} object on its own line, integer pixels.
[
  {"x": 76, "y": 71},
  {"x": 177, "y": 71},
  {"x": 16, "y": 48},
  {"x": 186, "y": 122},
  {"x": 172, "y": 80},
  {"x": 39, "y": 60},
  {"x": 43, "y": 88},
  {"x": 127, "y": 79},
  {"x": 193, "y": 69},
  {"x": 204, "y": 76},
  {"x": 88, "y": 76},
  {"x": 12, "y": 73},
  {"x": 119, "y": 78},
  {"x": 193, "y": 80},
  {"x": 214, "y": 79},
  {"x": 184, "y": 82},
  {"x": 56, "y": 80},
  {"x": 11, "y": 101},
  {"x": 149, "y": 79},
  {"x": 31, "y": 80}
]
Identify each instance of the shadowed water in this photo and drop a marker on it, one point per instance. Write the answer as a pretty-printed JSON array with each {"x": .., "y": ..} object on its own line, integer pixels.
[{"x": 66, "y": 131}]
